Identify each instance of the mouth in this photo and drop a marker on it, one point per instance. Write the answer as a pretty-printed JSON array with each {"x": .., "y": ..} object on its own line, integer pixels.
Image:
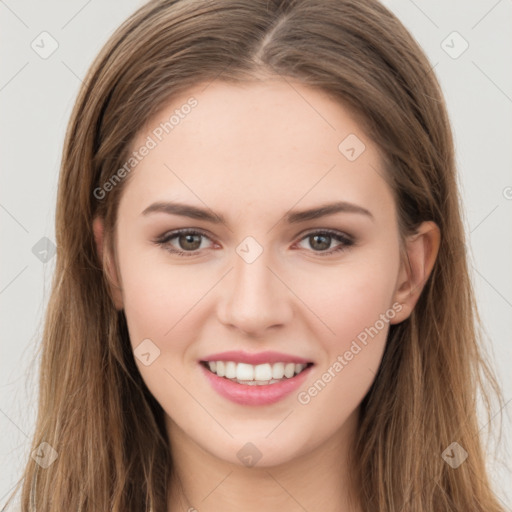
[
  {"x": 255, "y": 379},
  {"x": 264, "y": 374}
]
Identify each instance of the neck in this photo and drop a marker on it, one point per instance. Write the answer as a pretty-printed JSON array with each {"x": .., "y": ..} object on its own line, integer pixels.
[{"x": 317, "y": 480}]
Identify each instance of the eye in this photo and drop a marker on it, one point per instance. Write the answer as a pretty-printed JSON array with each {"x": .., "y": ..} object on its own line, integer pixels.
[
  {"x": 319, "y": 241},
  {"x": 187, "y": 241}
]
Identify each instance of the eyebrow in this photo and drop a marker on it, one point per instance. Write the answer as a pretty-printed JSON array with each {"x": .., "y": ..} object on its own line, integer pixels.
[{"x": 292, "y": 217}]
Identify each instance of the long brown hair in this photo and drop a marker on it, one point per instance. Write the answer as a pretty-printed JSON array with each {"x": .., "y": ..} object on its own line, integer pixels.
[{"x": 94, "y": 408}]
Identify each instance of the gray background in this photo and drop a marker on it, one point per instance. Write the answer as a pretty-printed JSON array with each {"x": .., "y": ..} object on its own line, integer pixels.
[{"x": 36, "y": 98}]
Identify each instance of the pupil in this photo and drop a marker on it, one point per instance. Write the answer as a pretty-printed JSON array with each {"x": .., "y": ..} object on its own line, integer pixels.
[
  {"x": 190, "y": 239},
  {"x": 319, "y": 241},
  {"x": 323, "y": 245}
]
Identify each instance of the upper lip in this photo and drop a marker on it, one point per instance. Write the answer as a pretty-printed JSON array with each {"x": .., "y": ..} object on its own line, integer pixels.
[{"x": 256, "y": 358}]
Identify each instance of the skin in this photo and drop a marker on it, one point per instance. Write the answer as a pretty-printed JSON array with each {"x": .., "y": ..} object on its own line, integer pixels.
[{"x": 251, "y": 153}]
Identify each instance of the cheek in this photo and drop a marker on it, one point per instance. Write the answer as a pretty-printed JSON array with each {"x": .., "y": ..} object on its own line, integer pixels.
[
  {"x": 158, "y": 298},
  {"x": 162, "y": 305},
  {"x": 352, "y": 297},
  {"x": 161, "y": 300},
  {"x": 357, "y": 304},
  {"x": 357, "y": 308}
]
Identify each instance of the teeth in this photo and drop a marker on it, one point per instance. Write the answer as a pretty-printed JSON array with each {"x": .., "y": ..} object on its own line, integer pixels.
[
  {"x": 230, "y": 370},
  {"x": 263, "y": 372},
  {"x": 289, "y": 370},
  {"x": 221, "y": 369},
  {"x": 255, "y": 375},
  {"x": 244, "y": 371},
  {"x": 278, "y": 371}
]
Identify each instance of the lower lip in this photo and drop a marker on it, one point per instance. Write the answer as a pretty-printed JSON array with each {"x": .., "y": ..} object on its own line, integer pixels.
[{"x": 254, "y": 395}]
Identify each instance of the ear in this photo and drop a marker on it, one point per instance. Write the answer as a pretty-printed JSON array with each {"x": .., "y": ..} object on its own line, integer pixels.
[
  {"x": 421, "y": 250},
  {"x": 108, "y": 266}
]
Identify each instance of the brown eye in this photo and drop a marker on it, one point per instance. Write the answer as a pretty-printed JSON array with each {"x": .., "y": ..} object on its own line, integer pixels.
[
  {"x": 189, "y": 242},
  {"x": 320, "y": 242},
  {"x": 183, "y": 242}
]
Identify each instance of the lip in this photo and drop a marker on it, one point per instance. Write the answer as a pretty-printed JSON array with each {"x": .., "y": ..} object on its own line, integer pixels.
[
  {"x": 254, "y": 395},
  {"x": 271, "y": 357}
]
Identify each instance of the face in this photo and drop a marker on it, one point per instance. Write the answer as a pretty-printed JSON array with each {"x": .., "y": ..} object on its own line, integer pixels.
[{"x": 258, "y": 242}]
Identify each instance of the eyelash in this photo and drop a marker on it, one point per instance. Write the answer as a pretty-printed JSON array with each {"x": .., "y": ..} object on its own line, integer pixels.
[{"x": 164, "y": 240}]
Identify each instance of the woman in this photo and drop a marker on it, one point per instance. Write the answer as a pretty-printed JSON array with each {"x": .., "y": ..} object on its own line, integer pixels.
[{"x": 261, "y": 299}]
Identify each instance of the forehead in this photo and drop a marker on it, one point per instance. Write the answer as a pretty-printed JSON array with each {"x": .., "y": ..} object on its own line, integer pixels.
[{"x": 263, "y": 144}]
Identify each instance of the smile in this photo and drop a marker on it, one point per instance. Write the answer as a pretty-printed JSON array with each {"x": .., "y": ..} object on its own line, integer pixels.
[
  {"x": 255, "y": 375},
  {"x": 254, "y": 379}
]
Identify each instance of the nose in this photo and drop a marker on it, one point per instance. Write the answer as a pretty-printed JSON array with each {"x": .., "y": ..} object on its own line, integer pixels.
[{"x": 254, "y": 299}]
